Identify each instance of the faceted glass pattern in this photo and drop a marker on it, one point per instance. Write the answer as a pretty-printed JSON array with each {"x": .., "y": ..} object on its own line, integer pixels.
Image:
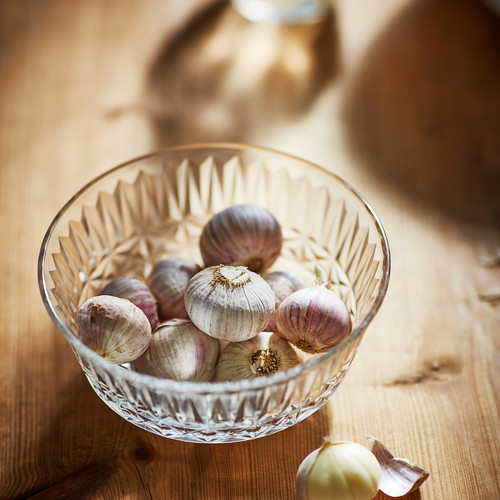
[{"x": 156, "y": 206}]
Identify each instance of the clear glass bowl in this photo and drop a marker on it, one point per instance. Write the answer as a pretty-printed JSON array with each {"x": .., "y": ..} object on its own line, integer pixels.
[{"x": 155, "y": 206}]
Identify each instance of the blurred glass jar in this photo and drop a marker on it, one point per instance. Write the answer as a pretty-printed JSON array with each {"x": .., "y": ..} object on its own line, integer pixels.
[{"x": 283, "y": 11}]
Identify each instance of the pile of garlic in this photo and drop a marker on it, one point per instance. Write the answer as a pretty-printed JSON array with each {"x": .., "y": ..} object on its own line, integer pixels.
[{"x": 232, "y": 319}]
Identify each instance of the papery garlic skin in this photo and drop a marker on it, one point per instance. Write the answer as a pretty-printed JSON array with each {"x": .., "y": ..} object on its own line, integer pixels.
[
  {"x": 283, "y": 284},
  {"x": 338, "y": 471},
  {"x": 114, "y": 328},
  {"x": 399, "y": 476},
  {"x": 179, "y": 351},
  {"x": 242, "y": 235},
  {"x": 135, "y": 290},
  {"x": 168, "y": 281},
  {"x": 262, "y": 355},
  {"x": 229, "y": 302},
  {"x": 313, "y": 319}
]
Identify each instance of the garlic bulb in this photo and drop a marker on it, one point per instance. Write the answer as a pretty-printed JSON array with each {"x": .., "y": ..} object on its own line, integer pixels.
[
  {"x": 313, "y": 319},
  {"x": 242, "y": 235},
  {"x": 229, "y": 302},
  {"x": 283, "y": 284},
  {"x": 338, "y": 471},
  {"x": 114, "y": 328},
  {"x": 135, "y": 290},
  {"x": 168, "y": 281},
  {"x": 179, "y": 350},
  {"x": 264, "y": 354}
]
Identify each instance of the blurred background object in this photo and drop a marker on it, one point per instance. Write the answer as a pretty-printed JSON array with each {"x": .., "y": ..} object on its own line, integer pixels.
[
  {"x": 282, "y": 11},
  {"x": 223, "y": 76}
]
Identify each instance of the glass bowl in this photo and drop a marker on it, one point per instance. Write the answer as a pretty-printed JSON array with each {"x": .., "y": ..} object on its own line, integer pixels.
[{"x": 156, "y": 206}]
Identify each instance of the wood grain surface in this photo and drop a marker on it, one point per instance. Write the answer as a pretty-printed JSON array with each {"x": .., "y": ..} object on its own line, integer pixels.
[{"x": 399, "y": 97}]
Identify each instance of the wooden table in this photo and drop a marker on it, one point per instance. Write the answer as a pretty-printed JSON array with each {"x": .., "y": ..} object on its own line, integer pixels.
[{"x": 399, "y": 97}]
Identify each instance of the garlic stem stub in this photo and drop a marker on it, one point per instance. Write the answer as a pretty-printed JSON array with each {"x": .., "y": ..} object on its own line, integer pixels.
[
  {"x": 283, "y": 284},
  {"x": 114, "y": 328},
  {"x": 262, "y": 355},
  {"x": 339, "y": 470},
  {"x": 230, "y": 303},
  {"x": 314, "y": 319},
  {"x": 168, "y": 281},
  {"x": 180, "y": 351},
  {"x": 242, "y": 235},
  {"x": 135, "y": 290}
]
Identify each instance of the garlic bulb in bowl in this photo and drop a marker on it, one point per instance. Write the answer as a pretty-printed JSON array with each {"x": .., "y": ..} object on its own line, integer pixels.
[
  {"x": 135, "y": 290},
  {"x": 229, "y": 302},
  {"x": 314, "y": 319},
  {"x": 168, "y": 281},
  {"x": 262, "y": 355},
  {"x": 179, "y": 351},
  {"x": 242, "y": 235},
  {"x": 114, "y": 328}
]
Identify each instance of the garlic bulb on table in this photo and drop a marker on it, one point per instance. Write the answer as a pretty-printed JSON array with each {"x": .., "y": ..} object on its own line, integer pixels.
[
  {"x": 262, "y": 355},
  {"x": 338, "y": 471},
  {"x": 313, "y": 319},
  {"x": 114, "y": 328},
  {"x": 180, "y": 351},
  {"x": 283, "y": 284},
  {"x": 135, "y": 290},
  {"x": 242, "y": 235},
  {"x": 229, "y": 302},
  {"x": 168, "y": 281}
]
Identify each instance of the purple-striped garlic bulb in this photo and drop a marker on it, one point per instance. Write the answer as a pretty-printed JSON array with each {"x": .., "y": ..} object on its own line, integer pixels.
[
  {"x": 229, "y": 302},
  {"x": 168, "y": 281},
  {"x": 242, "y": 235},
  {"x": 313, "y": 319},
  {"x": 114, "y": 328},
  {"x": 283, "y": 284},
  {"x": 135, "y": 290},
  {"x": 179, "y": 351}
]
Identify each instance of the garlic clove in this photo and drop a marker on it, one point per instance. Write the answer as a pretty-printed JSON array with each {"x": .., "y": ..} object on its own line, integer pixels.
[
  {"x": 301, "y": 479},
  {"x": 168, "y": 281},
  {"x": 135, "y": 290},
  {"x": 399, "y": 475},
  {"x": 180, "y": 351},
  {"x": 242, "y": 235},
  {"x": 283, "y": 284},
  {"x": 229, "y": 302},
  {"x": 114, "y": 328},
  {"x": 262, "y": 355},
  {"x": 339, "y": 470},
  {"x": 313, "y": 319}
]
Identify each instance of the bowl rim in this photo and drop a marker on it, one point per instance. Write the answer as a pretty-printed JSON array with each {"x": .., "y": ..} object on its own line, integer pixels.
[{"x": 211, "y": 387}]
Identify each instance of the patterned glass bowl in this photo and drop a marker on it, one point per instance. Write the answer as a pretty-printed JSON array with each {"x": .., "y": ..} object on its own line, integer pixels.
[{"x": 155, "y": 206}]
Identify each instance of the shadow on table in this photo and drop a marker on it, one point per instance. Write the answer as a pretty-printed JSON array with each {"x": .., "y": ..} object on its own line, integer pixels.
[
  {"x": 423, "y": 108},
  {"x": 264, "y": 468},
  {"x": 87, "y": 450},
  {"x": 77, "y": 451},
  {"x": 223, "y": 77}
]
